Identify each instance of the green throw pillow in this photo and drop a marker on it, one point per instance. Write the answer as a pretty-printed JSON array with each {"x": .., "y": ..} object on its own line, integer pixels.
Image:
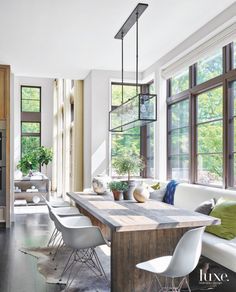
[
  {"x": 156, "y": 186},
  {"x": 226, "y": 211}
]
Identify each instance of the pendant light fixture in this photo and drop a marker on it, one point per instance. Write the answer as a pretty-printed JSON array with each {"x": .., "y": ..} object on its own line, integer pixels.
[{"x": 140, "y": 109}]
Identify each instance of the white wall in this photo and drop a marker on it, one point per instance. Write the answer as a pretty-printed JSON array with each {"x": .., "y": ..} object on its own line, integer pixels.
[
  {"x": 97, "y": 96},
  {"x": 46, "y": 114}
]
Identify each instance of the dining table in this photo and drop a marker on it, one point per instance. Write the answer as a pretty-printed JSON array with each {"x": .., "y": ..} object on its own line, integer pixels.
[{"x": 138, "y": 232}]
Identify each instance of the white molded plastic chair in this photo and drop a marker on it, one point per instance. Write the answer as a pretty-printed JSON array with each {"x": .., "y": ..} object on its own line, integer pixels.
[
  {"x": 63, "y": 211},
  {"x": 55, "y": 238},
  {"x": 183, "y": 261},
  {"x": 57, "y": 204},
  {"x": 66, "y": 221},
  {"x": 83, "y": 241}
]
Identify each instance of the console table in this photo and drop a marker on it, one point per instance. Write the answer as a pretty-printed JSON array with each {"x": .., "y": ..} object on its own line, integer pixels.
[
  {"x": 43, "y": 186},
  {"x": 138, "y": 232}
]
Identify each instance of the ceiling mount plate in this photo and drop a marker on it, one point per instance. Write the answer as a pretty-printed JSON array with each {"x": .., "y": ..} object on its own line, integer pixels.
[{"x": 140, "y": 8}]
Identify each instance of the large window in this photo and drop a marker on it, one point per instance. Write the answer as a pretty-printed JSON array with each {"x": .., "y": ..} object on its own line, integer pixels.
[
  {"x": 138, "y": 141},
  {"x": 178, "y": 137},
  {"x": 30, "y": 118},
  {"x": 202, "y": 121},
  {"x": 209, "y": 127}
]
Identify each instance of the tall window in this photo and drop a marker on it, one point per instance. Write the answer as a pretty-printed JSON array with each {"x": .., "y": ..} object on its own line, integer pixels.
[
  {"x": 205, "y": 110},
  {"x": 178, "y": 138},
  {"x": 209, "y": 127},
  {"x": 138, "y": 141},
  {"x": 30, "y": 118}
]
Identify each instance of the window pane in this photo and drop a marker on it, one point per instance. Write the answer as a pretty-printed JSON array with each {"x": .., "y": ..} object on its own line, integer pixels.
[
  {"x": 30, "y": 99},
  {"x": 210, "y": 67},
  {"x": 129, "y": 92},
  {"x": 210, "y": 105},
  {"x": 30, "y": 93},
  {"x": 127, "y": 142},
  {"x": 179, "y": 114},
  {"x": 180, "y": 141},
  {"x": 28, "y": 144},
  {"x": 30, "y": 105},
  {"x": 180, "y": 82},
  {"x": 179, "y": 165},
  {"x": 30, "y": 127},
  {"x": 234, "y": 54},
  {"x": 210, "y": 169},
  {"x": 210, "y": 137},
  {"x": 150, "y": 150}
]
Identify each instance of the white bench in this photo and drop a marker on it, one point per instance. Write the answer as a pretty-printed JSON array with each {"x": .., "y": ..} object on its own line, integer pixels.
[{"x": 189, "y": 196}]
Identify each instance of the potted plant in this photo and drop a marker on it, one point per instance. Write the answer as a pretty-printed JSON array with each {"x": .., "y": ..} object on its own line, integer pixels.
[
  {"x": 128, "y": 164},
  {"x": 28, "y": 163},
  {"x": 117, "y": 188},
  {"x": 34, "y": 159},
  {"x": 44, "y": 156}
]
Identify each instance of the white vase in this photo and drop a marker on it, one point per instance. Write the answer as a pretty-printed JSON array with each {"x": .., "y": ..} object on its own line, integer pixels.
[{"x": 100, "y": 184}]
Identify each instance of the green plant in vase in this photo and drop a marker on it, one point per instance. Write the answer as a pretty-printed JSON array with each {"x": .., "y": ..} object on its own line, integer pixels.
[
  {"x": 28, "y": 163},
  {"x": 129, "y": 165},
  {"x": 45, "y": 156},
  {"x": 32, "y": 160},
  {"x": 117, "y": 188}
]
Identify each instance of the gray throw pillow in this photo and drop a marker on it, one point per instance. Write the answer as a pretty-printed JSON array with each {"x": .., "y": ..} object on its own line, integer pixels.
[
  {"x": 158, "y": 195},
  {"x": 206, "y": 207}
]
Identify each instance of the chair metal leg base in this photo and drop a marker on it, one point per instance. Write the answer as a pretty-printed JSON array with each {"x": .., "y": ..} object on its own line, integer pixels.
[
  {"x": 170, "y": 287},
  {"x": 90, "y": 259}
]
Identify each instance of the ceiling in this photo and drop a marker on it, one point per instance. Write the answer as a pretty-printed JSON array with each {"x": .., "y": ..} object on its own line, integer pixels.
[{"x": 50, "y": 38}]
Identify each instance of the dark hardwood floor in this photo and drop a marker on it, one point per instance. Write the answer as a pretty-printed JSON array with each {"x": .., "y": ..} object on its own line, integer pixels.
[{"x": 18, "y": 272}]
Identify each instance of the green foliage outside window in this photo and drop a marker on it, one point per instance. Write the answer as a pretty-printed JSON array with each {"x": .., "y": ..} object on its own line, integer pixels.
[
  {"x": 210, "y": 136},
  {"x": 28, "y": 144},
  {"x": 179, "y": 140},
  {"x": 210, "y": 67},
  {"x": 28, "y": 127},
  {"x": 129, "y": 91},
  {"x": 180, "y": 82},
  {"x": 30, "y": 99},
  {"x": 209, "y": 106}
]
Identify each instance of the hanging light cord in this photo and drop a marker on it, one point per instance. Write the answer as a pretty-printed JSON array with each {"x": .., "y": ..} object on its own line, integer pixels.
[{"x": 137, "y": 52}]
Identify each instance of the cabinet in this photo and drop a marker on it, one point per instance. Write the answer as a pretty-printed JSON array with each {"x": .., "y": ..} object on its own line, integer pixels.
[
  {"x": 5, "y": 192},
  {"x": 2, "y": 93}
]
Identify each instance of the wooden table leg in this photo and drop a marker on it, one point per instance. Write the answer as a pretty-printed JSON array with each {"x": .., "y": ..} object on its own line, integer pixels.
[{"x": 131, "y": 248}]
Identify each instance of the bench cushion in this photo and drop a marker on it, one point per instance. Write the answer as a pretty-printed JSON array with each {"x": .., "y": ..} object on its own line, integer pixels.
[
  {"x": 190, "y": 196},
  {"x": 221, "y": 251}
]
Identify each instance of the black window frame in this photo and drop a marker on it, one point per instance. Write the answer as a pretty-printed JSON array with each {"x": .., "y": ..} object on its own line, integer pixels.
[
  {"x": 31, "y": 117},
  {"x": 224, "y": 80}
]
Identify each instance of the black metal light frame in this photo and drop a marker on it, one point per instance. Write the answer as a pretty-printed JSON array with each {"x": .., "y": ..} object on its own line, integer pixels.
[{"x": 138, "y": 120}]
